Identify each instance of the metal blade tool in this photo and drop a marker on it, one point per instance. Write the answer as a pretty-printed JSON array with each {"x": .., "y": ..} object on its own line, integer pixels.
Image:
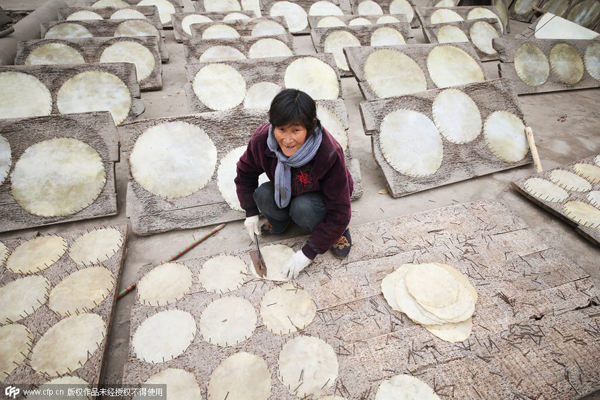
[{"x": 257, "y": 259}]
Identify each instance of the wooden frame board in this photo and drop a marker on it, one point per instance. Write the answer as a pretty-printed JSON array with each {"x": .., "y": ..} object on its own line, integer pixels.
[
  {"x": 107, "y": 28},
  {"x": 363, "y": 33},
  {"x": 244, "y": 5},
  {"x": 460, "y": 161},
  {"x": 357, "y": 57},
  {"x": 385, "y": 6},
  {"x": 150, "y": 214},
  {"x": 535, "y": 307},
  {"x": 43, "y": 318},
  {"x": 92, "y": 49},
  {"x": 524, "y": 14},
  {"x": 507, "y": 48},
  {"x": 150, "y": 12},
  {"x": 167, "y": 24},
  {"x": 547, "y": 27},
  {"x": 242, "y": 26},
  {"x": 424, "y": 13},
  {"x": 96, "y": 129},
  {"x": 54, "y": 76},
  {"x": 177, "y": 19},
  {"x": 194, "y": 48},
  {"x": 313, "y": 21},
  {"x": 431, "y": 32},
  {"x": 266, "y": 5},
  {"x": 551, "y": 6},
  {"x": 255, "y": 71},
  {"x": 556, "y": 206}
]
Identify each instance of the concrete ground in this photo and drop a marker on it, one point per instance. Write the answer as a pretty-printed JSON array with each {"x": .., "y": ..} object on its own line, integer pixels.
[{"x": 558, "y": 143}]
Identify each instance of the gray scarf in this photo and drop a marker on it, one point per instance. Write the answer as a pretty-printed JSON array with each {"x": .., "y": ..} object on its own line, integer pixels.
[{"x": 283, "y": 171}]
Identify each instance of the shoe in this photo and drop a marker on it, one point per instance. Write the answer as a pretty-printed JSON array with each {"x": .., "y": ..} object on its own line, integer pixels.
[
  {"x": 266, "y": 229},
  {"x": 342, "y": 246}
]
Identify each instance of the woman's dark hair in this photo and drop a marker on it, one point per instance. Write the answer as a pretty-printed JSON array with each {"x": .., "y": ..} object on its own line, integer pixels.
[{"x": 293, "y": 106}]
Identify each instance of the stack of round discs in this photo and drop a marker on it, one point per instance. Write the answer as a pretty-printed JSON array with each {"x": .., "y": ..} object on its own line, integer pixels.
[{"x": 434, "y": 295}]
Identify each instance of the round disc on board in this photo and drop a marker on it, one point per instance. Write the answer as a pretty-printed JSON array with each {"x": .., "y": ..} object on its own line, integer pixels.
[
  {"x": 54, "y": 53},
  {"x": 165, "y": 284},
  {"x": 241, "y": 376},
  {"x": 36, "y": 255},
  {"x": 23, "y": 96}
]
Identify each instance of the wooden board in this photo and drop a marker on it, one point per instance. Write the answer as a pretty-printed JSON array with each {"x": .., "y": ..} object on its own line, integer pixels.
[
  {"x": 313, "y": 21},
  {"x": 266, "y": 5},
  {"x": 106, "y": 28},
  {"x": 363, "y": 33},
  {"x": 43, "y": 318},
  {"x": 194, "y": 48},
  {"x": 507, "y": 48},
  {"x": 177, "y": 19},
  {"x": 431, "y": 32},
  {"x": 525, "y": 13},
  {"x": 536, "y": 326},
  {"x": 545, "y": 27},
  {"x": 424, "y": 13},
  {"x": 150, "y": 12},
  {"x": 569, "y": 5},
  {"x": 92, "y": 49},
  {"x": 460, "y": 161},
  {"x": 176, "y": 4},
  {"x": 357, "y": 57},
  {"x": 96, "y": 129},
  {"x": 557, "y": 207},
  {"x": 243, "y": 27},
  {"x": 242, "y": 5},
  {"x": 54, "y": 76},
  {"x": 385, "y": 7},
  {"x": 255, "y": 71},
  {"x": 150, "y": 214}
]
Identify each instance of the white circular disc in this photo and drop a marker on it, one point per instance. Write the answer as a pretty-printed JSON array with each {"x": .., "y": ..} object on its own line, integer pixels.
[
  {"x": 96, "y": 246},
  {"x": 389, "y": 282},
  {"x": 566, "y": 63},
  {"x": 451, "y": 66},
  {"x": 285, "y": 309},
  {"x": 165, "y": 9},
  {"x": 180, "y": 384},
  {"x": 479, "y": 12},
  {"x": 569, "y": 181},
  {"x": 221, "y": 5},
  {"x": 408, "y": 154},
  {"x": 359, "y": 21},
  {"x": 22, "y": 297},
  {"x": 545, "y": 190},
  {"x": 324, "y": 8},
  {"x": 457, "y": 116},
  {"x": 588, "y": 171},
  {"x": 268, "y": 28},
  {"x": 110, "y": 3},
  {"x": 73, "y": 382},
  {"x": 161, "y": 158},
  {"x": 68, "y": 30},
  {"x": 330, "y": 22},
  {"x": 275, "y": 257},
  {"x": 84, "y": 15},
  {"x": 308, "y": 366},
  {"x": 431, "y": 285},
  {"x": 81, "y": 291},
  {"x": 222, "y": 274},
  {"x": 594, "y": 198},
  {"x": 451, "y": 34},
  {"x": 36, "y": 255},
  {"x": 482, "y": 34},
  {"x": 296, "y": 17},
  {"x": 241, "y": 376},
  {"x": 314, "y": 77},
  {"x": 531, "y": 65},
  {"x": 445, "y": 3},
  {"x": 269, "y": 48},
  {"x": 392, "y": 73},
  {"x": 583, "y": 213},
  {"x": 95, "y": 91},
  {"x": 193, "y": 19},
  {"x": 504, "y": 134},
  {"x": 369, "y": 7},
  {"x": 591, "y": 59},
  {"x": 58, "y": 177},
  {"x": 128, "y": 14},
  {"x": 387, "y": 37},
  {"x": 131, "y": 52},
  {"x": 228, "y": 321},
  {"x": 335, "y": 43},
  {"x": 219, "y": 87},
  {"x": 23, "y": 95},
  {"x": 68, "y": 344},
  {"x": 332, "y": 123},
  {"x": 261, "y": 94},
  {"x": 235, "y": 16},
  {"x": 5, "y": 161},
  {"x": 54, "y": 53},
  {"x": 387, "y": 19},
  {"x": 226, "y": 173},
  {"x": 164, "y": 336},
  {"x": 136, "y": 27},
  {"x": 15, "y": 344},
  {"x": 442, "y": 16},
  {"x": 252, "y": 5},
  {"x": 221, "y": 53},
  {"x": 405, "y": 387},
  {"x": 165, "y": 284},
  {"x": 220, "y": 32},
  {"x": 402, "y": 7}
]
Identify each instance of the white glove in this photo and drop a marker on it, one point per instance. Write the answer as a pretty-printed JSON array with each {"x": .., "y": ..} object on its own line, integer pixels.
[
  {"x": 251, "y": 224},
  {"x": 295, "y": 264}
]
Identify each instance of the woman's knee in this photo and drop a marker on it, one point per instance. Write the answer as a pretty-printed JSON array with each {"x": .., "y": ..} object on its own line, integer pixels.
[
  {"x": 264, "y": 194},
  {"x": 308, "y": 210}
]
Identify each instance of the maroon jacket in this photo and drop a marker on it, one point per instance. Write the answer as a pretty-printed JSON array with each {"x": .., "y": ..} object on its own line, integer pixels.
[{"x": 326, "y": 173}]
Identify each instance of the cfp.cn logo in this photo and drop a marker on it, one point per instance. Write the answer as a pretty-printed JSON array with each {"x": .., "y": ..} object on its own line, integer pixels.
[{"x": 12, "y": 392}]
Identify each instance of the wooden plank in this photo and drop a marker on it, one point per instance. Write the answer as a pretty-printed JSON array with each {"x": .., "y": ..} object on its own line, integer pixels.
[
  {"x": 244, "y": 27},
  {"x": 385, "y": 7},
  {"x": 425, "y": 13},
  {"x": 266, "y": 5},
  {"x": 177, "y": 19},
  {"x": 314, "y": 20},
  {"x": 150, "y": 12}
]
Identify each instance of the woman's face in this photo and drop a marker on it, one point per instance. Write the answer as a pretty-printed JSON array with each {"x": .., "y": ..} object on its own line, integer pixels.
[{"x": 290, "y": 137}]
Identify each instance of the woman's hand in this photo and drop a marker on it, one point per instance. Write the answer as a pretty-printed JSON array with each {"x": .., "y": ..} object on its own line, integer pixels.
[
  {"x": 251, "y": 224},
  {"x": 294, "y": 265}
]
